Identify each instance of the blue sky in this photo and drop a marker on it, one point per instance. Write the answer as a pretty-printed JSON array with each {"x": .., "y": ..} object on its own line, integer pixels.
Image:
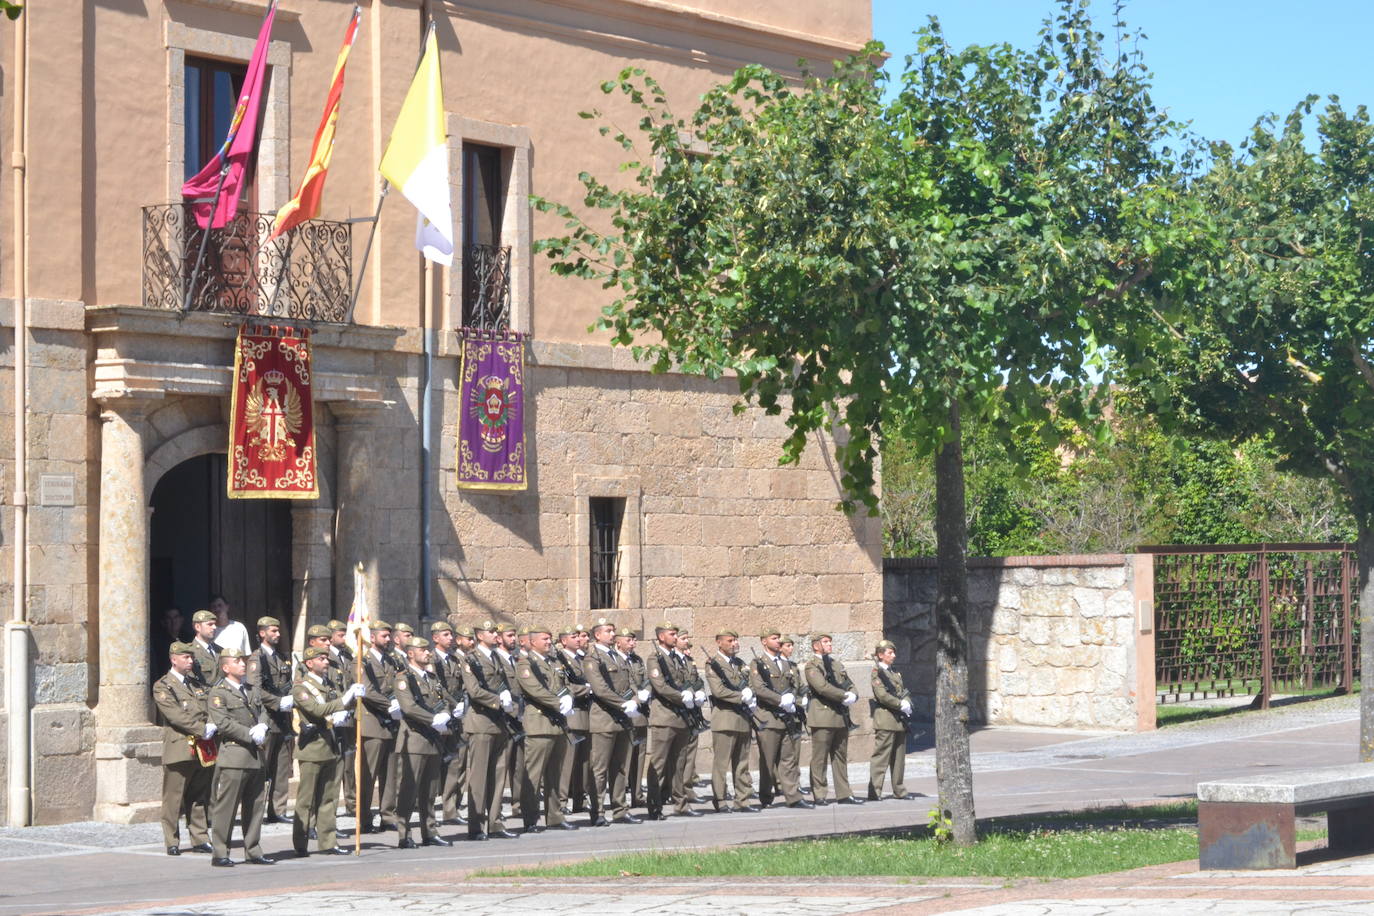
[{"x": 1217, "y": 63}]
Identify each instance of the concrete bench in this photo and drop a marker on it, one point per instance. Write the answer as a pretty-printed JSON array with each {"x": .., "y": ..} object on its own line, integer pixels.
[{"x": 1249, "y": 822}]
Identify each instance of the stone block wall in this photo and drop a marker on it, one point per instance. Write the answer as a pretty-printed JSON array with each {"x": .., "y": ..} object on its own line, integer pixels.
[{"x": 1054, "y": 641}]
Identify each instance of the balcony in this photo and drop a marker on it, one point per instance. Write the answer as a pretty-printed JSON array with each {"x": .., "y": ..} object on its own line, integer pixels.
[
  {"x": 305, "y": 275},
  {"x": 486, "y": 287}
]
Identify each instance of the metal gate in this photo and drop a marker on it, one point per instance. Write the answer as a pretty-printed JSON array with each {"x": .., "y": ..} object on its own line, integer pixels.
[{"x": 1258, "y": 619}]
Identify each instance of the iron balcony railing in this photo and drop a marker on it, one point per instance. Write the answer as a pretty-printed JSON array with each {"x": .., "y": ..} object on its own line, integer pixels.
[
  {"x": 306, "y": 274},
  {"x": 486, "y": 287}
]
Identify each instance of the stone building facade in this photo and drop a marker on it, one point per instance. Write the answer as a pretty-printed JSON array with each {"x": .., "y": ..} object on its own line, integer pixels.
[{"x": 128, "y": 399}]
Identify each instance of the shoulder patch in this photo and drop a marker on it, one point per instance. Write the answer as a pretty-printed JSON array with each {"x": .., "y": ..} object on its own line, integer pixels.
[
  {"x": 653, "y": 672},
  {"x": 217, "y": 700},
  {"x": 401, "y": 684},
  {"x": 526, "y": 673}
]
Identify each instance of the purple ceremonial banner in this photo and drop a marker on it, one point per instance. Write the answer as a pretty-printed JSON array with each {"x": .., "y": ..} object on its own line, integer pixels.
[{"x": 491, "y": 411}]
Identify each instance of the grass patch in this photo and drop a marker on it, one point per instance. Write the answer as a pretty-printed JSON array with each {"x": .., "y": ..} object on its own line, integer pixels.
[{"x": 1063, "y": 846}]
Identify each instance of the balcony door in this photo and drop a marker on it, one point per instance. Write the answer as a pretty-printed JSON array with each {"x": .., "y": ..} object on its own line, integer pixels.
[{"x": 228, "y": 275}]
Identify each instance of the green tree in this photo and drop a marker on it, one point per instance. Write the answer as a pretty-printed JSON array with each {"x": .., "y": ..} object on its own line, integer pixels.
[
  {"x": 1274, "y": 339},
  {"x": 860, "y": 265}
]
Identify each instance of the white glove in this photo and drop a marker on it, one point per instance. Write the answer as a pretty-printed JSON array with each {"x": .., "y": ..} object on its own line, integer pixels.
[
  {"x": 442, "y": 729},
  {"x": 441, "y": 720},
  {"x": 906, "y": 707},
  {"x": 506, "y": 702},
  {"x": 753, "y": 703},
  {"x": 701, "y": 698},
  {"x": 689, "y": 699},
  {"x": 788, "y": 702},
  {"x": 339, "y": 718},
  {"x": 286, "y": 702},
  {"x": 747, "y": 694},
  {"x": 565, "y": 704},
  {"x": 395, "y": 709},
  {"x": 849, "y": 698},
  {"x": 805, "y": 702},
  {"x": 643, "y": 695},
  {"x": 459, "y": 709},
  {"x": 210, "y": 729},
  {"x": 353, "y": 693},
  {"x": 630, "y": 707},
  {"x": 258, "y": 733}
]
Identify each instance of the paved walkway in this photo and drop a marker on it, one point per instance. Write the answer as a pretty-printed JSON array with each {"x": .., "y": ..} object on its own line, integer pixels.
[{"x": 101, "y": 868}]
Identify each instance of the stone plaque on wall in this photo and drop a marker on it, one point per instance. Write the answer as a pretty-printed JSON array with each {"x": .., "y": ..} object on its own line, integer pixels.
[{"x": 57, "y": 490}]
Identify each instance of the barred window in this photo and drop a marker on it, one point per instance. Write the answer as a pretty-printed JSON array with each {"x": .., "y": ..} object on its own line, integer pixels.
[{"x": 607, "y": 512}]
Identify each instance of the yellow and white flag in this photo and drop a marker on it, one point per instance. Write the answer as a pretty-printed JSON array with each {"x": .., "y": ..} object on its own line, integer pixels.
[
  {"x": 358, "y": 632},
  {"x": 416, "y": 158}
]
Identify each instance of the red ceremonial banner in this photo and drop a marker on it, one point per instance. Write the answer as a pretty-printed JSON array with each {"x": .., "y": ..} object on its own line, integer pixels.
[{"x": 272, "y": 417}]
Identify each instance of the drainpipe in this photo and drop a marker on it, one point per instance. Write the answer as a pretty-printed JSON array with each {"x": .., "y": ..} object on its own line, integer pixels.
[{"x": 17, "y": 637}]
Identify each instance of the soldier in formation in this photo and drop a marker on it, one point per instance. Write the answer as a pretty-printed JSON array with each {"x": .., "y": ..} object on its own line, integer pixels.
[{"x": 607, "y": 729}]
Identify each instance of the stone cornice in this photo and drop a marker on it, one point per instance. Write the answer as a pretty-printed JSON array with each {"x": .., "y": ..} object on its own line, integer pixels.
[
  {"x": 117, "y": 378},
  {"x": 246, "y": 7}
]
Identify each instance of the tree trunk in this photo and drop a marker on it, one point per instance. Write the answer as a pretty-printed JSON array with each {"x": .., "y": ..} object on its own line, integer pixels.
[
  {"x": 1364, "y": 569},
  {"x": 953, "y": 765}
]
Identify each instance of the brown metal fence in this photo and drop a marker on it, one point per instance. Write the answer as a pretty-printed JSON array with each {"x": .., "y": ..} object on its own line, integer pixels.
[{"x": 1258, "y": 619}]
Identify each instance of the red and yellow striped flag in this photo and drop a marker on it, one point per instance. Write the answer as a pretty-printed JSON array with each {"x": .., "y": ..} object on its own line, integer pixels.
[{"x": 306, "y": 204}]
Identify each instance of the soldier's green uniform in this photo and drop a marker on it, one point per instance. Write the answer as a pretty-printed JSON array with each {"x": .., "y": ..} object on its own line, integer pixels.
[
  {"x": 205, "y": 655},
  {"x": 453, "y": 761},
  {"x": 639, "y": 722},
  {"x": 270, "y": 672},
  {"x": 424, "y": 721},
  {"x": 240, "y": 718},
  {"x": 185, "y": 781},
  {"x": 516, "y": 774},
  {"x": 826, "y": 718},
  {"x": 576, "y": 779},
  {"x": 778, "y": 764},
  {"x": 684, "y": 781},
  {"x": 612, "y": 684},
  {"x": 377, "y": 718},
  {"x": 319, "y": 709},
  {"x": 889, "y": 731},
  {"x": 727, "y": 679},
  {"x": 669, "y": 727},
  {"x": 488, "y": 737},
  {"x": 544, "y": 685}
]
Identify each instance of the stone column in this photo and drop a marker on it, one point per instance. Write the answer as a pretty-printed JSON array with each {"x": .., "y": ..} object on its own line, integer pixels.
[
  {"x": 354, "y": 540},
  {"x": 128, "y": 745}
]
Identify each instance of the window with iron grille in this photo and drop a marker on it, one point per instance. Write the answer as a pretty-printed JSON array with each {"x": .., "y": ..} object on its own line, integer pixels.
[
  {"x": 486, "y": 262},
  {"x": 607, "y": 512}
]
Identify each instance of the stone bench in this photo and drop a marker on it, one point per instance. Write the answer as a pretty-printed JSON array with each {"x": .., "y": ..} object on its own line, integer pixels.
[{"x": 1250, "y": 822}]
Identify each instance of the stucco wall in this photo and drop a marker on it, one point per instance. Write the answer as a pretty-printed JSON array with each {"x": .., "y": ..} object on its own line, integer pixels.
[{"x": 1053, "y": 641}]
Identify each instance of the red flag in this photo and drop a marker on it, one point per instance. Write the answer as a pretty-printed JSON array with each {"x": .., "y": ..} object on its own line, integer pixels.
[
  {"x": 306, "y": 204},
  {"x": 232, "y": 158}
]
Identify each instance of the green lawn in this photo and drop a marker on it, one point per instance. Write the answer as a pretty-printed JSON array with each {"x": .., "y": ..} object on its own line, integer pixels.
[{"x": 1060, "y": 846}]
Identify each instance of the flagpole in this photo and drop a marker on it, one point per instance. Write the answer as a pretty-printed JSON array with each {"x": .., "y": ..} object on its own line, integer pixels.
[
  {"x": 360, "y": 816},
  {"x": 205, "y": 239},
  {"x": 367, "y": 250}
]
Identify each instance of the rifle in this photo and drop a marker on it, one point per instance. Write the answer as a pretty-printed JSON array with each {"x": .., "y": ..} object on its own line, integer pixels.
[
  {"x": 617, "y": 714},
  {"x": 554, "y": 716},
  {"x": 755, "y": 725},
  {"x": 903, "y": 717},
  {"x": 828, "y": 673},
  {"x": 694, "y": 716},
  {"x": 790, "y": 721}
]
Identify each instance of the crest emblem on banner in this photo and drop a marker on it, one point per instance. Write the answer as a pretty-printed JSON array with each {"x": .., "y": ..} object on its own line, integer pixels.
[
  {"x": 271, "y": 425},
  {"x": 491, "y": 431}
]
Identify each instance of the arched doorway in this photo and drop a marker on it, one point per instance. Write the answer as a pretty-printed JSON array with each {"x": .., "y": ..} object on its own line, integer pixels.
[{"x": 201, "y": 543}]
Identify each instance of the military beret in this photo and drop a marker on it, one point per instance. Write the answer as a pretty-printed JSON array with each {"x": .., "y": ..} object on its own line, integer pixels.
[
  {"x": 180, "y": 648},
  {"x": 603, "y": 622},
  {"x": 725, "y": 633},
  {"x": 232, "y": 653},
  {"x": 418, "y": 642},
  {"x": 264, "y": 622},
  {"x": 627, "y": 632},
  {"x": 664, "y": 627},
  {"x": 204, "y": 617},
  {"x": 337, "y": 625},
  {"x": 579, "y": 628},
  {"x": 884, "y": 644},
  {"x": 569, "y": 630},
  {"x": 317, "y": 631},
  {"x": 403, "y": 628},
  {"x": 525, "y": 631},
  {"x": 508, "y": 626},
  {"x": 769, "y": 631},
  {"x": 464, "y": 630},
  {"x": 377, "y": 625},
  {"x": 787, "y": 641},
  {"x": 538, "y": 628},
  {"x": 490, "y": 625},
  {"x": 817, "y": 637},
  {"x": 314, "y": 652},
  {"x": 440, "y": 626}
]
